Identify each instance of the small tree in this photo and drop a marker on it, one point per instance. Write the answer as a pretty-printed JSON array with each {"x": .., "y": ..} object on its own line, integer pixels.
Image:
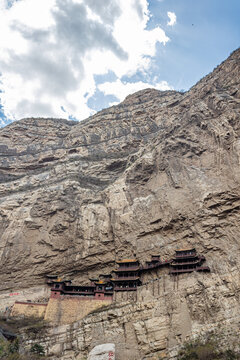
[{"x": 37, "y": 349}]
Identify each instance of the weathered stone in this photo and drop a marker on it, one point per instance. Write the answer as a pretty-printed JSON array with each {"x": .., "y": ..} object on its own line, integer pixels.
[
  {"x": 102, "y": 352},
  {"x": 159, "y": 171}
]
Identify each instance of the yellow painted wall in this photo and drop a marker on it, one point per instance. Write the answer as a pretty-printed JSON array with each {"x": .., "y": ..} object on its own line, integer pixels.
[
  {"x": 65, "y": 311},
  {"x": 29, "y": 310}
]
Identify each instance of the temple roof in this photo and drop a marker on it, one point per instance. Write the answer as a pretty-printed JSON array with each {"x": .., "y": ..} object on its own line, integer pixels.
[{"x": 126, "y": 261}]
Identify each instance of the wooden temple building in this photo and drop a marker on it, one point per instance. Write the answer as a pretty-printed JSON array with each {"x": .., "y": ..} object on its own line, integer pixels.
[
  {"x": 98, "y": 289},
  {"x": 187, "y": 260},
  {"x": 128, "y": 276},
  {"x": 130, "y": 281}
]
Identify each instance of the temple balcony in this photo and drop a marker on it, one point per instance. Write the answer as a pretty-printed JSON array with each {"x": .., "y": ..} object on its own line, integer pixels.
[
  {"x": 203, "y": 268},
  {"x": 177, "y": 271},
  {"x": 125, "y": 268},
  {"x": 192, "y": 255},
  {"x": 186, "y": 263},
  {"x": 126, "y": 274},
  {"x": 198, "y": 268}
]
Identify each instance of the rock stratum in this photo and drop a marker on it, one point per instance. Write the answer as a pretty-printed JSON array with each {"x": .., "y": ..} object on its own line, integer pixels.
[{"x": 159, "y": 171}]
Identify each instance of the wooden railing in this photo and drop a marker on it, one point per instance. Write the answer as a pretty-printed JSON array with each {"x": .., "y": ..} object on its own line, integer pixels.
[
  {"x": 125, "y": 268},
  {"x": 185, "y": 263},
  {"x": 199, "y": 268},
  {"x": 186, "y": 255}
]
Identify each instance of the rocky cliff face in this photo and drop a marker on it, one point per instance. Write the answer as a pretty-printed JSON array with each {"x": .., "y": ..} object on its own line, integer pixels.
[{"x": 157, "y": 172}]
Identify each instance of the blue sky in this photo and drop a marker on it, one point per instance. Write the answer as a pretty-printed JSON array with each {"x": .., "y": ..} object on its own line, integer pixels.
[
  {"x": 205, "y": 34},
  {"x": 70, "y": 58}
]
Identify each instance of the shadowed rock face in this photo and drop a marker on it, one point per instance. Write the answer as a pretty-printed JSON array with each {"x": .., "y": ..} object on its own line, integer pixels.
[
  {"x": 157, "y": 172},
  {"x": 65, "y": 185}
]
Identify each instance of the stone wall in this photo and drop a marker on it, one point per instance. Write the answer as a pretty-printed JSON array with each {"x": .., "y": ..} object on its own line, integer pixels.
[
  {"x": 153, "y": 174},
  {"x": 29, "y": 309},
  {"x": 67, "y": 309}
]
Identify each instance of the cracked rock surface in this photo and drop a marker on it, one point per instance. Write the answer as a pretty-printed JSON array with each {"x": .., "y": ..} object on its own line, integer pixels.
[{"x": 159, "y": 171}]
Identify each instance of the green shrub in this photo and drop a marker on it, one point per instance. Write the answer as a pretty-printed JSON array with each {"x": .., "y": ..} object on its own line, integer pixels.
[
  {"x": 37, "y": 349},
  {"x": 10, "y": 351},
  {"x": 197, "y": 350},
  {"x": 200, "y": 349}
]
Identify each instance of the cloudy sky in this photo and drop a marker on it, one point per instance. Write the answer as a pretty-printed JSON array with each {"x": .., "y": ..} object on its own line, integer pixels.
[{"x": 71, "y": 58}]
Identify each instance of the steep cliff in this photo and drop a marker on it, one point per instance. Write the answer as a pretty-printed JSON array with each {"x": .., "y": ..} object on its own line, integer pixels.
[{"x": 157, "y": 172}]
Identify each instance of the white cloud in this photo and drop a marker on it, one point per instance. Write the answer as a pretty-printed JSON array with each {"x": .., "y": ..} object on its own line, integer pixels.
[
  {"x": 51, "y": 50},
  {"x": 172, "y": 18},
  {"x": 120, "y": 89}
]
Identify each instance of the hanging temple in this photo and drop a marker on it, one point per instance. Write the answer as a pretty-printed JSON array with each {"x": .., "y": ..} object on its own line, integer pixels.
[
  {"x": 130, "y": 281},
  {"x": 128, "y": 276}
]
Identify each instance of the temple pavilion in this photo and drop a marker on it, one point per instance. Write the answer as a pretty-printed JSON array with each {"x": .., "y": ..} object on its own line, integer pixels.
[
  {"x": 127, "y": 276},
  {"x": 187, "y": 260},
  {"x": 103, "y": 286}
]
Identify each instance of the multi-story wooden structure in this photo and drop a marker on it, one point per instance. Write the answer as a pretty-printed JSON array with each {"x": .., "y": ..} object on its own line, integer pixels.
[
  {"x": 127, "y": 276},
  {"x": 187, "y": 260},
  {"x": 103, "y": 287}
]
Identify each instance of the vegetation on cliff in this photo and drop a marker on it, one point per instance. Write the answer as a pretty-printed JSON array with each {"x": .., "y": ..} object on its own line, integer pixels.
[
  {"x": 206, "y": 349},
  {"x": 12, "y": 347},
  {"x": 10, "y": 350}
]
